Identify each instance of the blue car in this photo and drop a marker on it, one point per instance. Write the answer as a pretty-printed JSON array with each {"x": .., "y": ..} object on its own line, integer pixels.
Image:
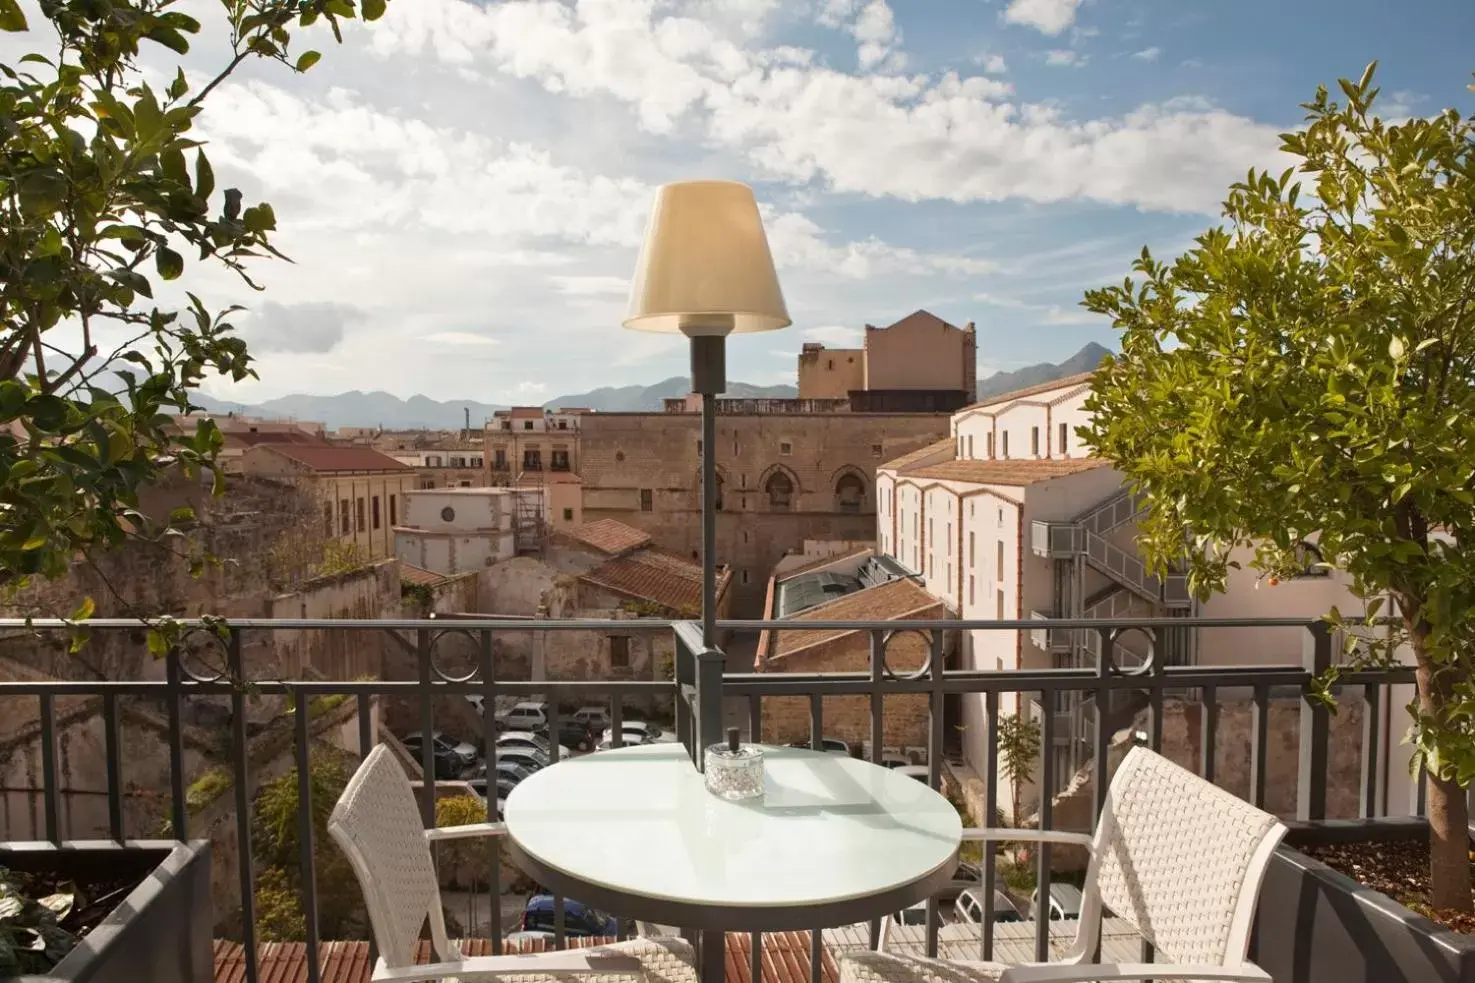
[{"x": 579, "y": 920}]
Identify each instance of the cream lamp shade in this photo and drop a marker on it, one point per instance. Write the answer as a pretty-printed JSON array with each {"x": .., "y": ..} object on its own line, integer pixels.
[{"x": 705, "y": 268}]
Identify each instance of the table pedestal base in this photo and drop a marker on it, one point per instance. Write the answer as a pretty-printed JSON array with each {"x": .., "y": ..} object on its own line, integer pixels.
[{"x": 711, "y": 946}]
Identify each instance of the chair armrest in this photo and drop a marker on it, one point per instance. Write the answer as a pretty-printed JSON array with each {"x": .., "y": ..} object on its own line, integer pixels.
[
  {"x": 1027, "y": 836},
  {"x": 1088, "y": 973},
  {"x": 465, "y": 832},
  {"x": 491, "y": 967}
]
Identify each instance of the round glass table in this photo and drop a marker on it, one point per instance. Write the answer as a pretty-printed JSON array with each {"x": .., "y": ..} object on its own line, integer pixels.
[{"x": 634, "y": 831}]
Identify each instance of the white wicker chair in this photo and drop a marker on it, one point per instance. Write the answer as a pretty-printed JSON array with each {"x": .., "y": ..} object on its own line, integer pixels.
[
  {"x": 377, "y": 825},
  {"x": 1176, "y": 857}
]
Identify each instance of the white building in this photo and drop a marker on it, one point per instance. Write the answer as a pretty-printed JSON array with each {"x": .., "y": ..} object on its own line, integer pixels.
[
  {"x": 456, "y": 530},
  {"x": 1012, "y": 518}
]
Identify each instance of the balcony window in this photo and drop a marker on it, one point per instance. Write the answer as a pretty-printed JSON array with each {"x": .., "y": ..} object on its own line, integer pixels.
[
  {"x": 647, "y": 500},
  {"x": 532, "y": 460},
  {"x": 374, "y": 511},
  {"x": 345, "y": 520},
  {"x": 558, "y": 461},
  {"x": 527, "y": 424}
]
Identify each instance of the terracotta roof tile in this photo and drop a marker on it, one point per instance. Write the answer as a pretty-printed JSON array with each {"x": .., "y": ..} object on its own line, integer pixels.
[
  {"x": 249, "y": 438},
  {"x": 1016, "y": 473},
  {"x": 609, "y": 536},
  {"x": 411, "y": 574},
  {"x": 948, "y": 445},
  {"x": 785, "y": 959},
  {"x": 1066, "y": 382},
  {"x": 888, "y": 602},
  {"x": 328, "y": 457},
  {"x": 657, "y": 576}
]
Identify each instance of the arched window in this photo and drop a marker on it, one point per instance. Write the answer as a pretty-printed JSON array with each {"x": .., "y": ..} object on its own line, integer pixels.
[
  {"x": 850, "y": 493},
  {"x": 780, "y": 491}
]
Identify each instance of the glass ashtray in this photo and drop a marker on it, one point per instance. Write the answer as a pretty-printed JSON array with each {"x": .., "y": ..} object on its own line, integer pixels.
[{"x": 734, "y": 774}]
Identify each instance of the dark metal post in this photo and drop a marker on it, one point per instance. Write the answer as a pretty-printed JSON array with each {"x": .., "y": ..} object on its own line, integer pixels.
[
  {"x": 709, "y": 378},
  {"x": 709, "y": 663},
  {"x": 241, "y": 783},
  {"x": 1311, "y": 776}
]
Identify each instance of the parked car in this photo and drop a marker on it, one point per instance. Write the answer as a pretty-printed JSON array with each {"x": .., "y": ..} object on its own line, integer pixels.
[
  {"x": 634, "y": 732},
  {"x": 579, "y": 920},
  {"x": 451, "y": 757},
  {"x": 1065, "y": 902},
  {"x": 513, "y": 938},
  {"x": 576, "y": 734},
  {"x": 528, "y": 715},
  {"x": 527, "y": 739},
  {"x": 969, "y": 907},
  {"x": 511, "y": 772},
  {"x": 592, "y": 717},
  {"x": 530, "y": 758},
  {"x": 504, "y": 788}
]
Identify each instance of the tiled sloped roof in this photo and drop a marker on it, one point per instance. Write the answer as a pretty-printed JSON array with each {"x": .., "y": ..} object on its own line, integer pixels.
[
  {"x": 657, "y": 576},
  {"x": 1007, "y": 472},
  {"x": 328, "y": 457},
  {"x": 1066, "y": 382},
  {"x": 887, "y": 602},
  {"x": 948, "y": 445},
  {"x": 411, "y": 574},
  {"x": 785, "y": 959},
  {"x": 247, "y": 438},
  {"x": 609, "y": 536}
]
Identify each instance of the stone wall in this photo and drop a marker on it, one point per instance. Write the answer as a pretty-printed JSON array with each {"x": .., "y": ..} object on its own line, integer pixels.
[
  {"x": 632, "y": 460},
  {"x": 1182, "y": 736},
  {"x": 904, "y": 717}
]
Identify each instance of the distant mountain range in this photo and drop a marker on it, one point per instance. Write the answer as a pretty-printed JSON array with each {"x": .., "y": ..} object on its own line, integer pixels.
[
  {"x": 638, "y": 399},
  {"x": 1085, "y": 360},
  {"x": 361, "y": 409},
  {"x": 381, "y": 409}
]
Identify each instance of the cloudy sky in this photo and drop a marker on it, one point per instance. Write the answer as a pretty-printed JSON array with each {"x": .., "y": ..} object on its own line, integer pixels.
[{"x": 463, "y": 185}]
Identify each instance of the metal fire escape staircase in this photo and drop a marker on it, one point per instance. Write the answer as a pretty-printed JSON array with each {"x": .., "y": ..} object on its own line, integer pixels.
[{"x": 1083, "y": 541}]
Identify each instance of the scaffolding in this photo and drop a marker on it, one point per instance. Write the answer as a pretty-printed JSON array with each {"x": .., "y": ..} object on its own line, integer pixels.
[{"x": 530, "y": 515}]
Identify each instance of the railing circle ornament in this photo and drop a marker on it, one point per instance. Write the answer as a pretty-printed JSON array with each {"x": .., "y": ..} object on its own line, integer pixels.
[
  {"x": 451, "y": 674},
  {"x": 921, "y": 673},
  {"x": 1142, "y": 669},
  {"x": 198, "y": 650}
]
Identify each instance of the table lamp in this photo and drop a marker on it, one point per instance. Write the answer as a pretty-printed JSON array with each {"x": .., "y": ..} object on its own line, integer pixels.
[{"x": 705, "y": 271}]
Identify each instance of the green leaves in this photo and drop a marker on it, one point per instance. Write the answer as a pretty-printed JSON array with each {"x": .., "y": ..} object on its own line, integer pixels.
[
  {"x": 12, "y": 18},
  {"x": 109, "y": 193},
  {"x": 1308, "y": 373}
]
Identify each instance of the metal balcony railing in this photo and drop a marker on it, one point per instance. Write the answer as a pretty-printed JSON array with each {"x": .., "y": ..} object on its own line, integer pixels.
[{"x": 210, "y": 662}]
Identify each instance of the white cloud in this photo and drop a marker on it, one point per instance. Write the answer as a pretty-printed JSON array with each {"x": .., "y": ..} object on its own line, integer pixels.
[
  {"x": 1147, "y": 54},
  {"x": 835, "y": 336},
  {"x": 460, "y": 338},
  {"x": 1046, "y": 16},
  {"x": 873, "y": 25},
  {"x": 530, "y": 389},
  {"x": 466, "y": 170},
  {"x": 307, "y": 327},
  {"x": 591, "y": 286},
  {"x": 1062, "y": 57},
  {"x": 948, "y": 137}
]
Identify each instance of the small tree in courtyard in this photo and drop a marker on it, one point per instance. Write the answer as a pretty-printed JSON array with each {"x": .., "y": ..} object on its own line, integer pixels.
[
  {"x": 1308, "y": 373},
  {"x": 1019, "y": 750}
]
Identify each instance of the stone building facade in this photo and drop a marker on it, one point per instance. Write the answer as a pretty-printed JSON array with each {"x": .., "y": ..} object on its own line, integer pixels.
[{"x": 785, "y": 478}]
